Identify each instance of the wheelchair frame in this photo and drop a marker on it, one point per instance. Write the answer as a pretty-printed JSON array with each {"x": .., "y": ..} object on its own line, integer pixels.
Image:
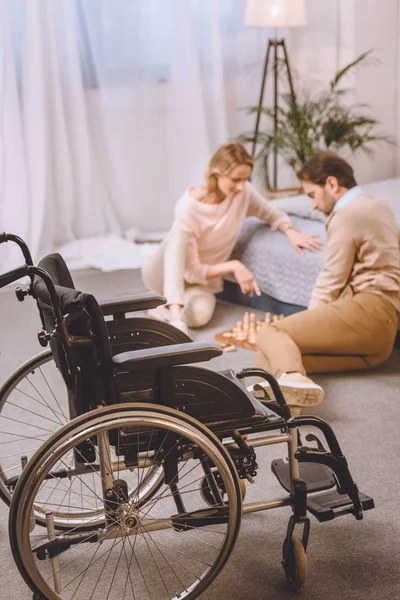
[{"x": 222, "y": 444}]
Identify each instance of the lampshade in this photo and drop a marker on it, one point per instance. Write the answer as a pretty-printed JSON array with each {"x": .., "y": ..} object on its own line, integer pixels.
[{"x": 276, "y": 13}]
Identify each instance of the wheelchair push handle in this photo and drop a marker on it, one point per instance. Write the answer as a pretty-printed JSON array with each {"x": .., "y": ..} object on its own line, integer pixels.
[
  {"x": 280, "y": 399},
  {"x": 13, "y": 275},
  {"x": 30, "y": 271},
  {"x": 10, "y": 237},
  {"x": 255, "y": 372}
]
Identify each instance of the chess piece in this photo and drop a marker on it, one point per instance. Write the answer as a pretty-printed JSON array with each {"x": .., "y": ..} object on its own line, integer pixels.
[
  {"x": 252, "y": 330},
  {"x": 239, "y": 331},
  {"x": 267, "y": 318},
  {"x": 230, "y": 348},
  {"x": 258, "y": 326},
  {"x": 246, "y": 323}
]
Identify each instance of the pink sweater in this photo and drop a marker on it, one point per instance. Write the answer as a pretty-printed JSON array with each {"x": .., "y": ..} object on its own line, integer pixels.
[{"x": 214, "y": 229}]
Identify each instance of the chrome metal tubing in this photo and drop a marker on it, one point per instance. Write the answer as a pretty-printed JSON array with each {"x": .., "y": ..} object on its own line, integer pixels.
[
  {"x": 265, "y": 505},
  {"x": 266, "y": 440},
  {"x": 55, "y": 561},
  {"x": 106, "y": 469},
  {"x": 293, "y": 462}
]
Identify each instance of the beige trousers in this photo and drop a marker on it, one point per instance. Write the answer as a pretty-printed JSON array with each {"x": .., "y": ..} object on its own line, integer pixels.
[
  {"x": 164, "y": 273},
  {"x": 345, "y": 335}
]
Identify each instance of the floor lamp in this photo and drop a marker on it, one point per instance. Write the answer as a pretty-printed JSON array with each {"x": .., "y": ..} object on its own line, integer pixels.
[{"x": 274, "y": 13}]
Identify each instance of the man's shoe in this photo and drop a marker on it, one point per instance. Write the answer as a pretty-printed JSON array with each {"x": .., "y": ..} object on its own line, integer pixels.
[
  {"x": 295, "y": 411},
  {"x": 259, "y": 391},
  {"x": 300, "y": 391}
]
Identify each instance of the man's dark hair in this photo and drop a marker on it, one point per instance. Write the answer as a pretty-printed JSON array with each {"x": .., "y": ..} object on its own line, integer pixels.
[{"x": 325, "y": 164}]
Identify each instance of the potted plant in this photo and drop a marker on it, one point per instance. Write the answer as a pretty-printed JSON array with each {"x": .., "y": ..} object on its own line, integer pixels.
[{"x": 308, "y": 122}]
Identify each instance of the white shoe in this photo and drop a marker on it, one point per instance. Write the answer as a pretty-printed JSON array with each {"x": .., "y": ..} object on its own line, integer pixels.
[{"x": 299, "y": 391}]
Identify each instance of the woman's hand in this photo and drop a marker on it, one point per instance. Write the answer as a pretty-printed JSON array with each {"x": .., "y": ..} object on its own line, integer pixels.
[
  {"x": 245, "y": 278},
  {"x": 300, "y": 241}
]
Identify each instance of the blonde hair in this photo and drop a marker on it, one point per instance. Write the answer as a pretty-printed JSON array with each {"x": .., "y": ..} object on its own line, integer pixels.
[{"x": 223, "y": 161}]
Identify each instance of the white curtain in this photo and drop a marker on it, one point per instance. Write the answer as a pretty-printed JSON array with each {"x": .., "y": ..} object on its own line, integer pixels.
[{"x": 109, "y": 109}]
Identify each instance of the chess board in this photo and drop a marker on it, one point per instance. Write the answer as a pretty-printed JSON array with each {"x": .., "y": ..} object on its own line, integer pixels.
[{"x": 245, "y": 332}]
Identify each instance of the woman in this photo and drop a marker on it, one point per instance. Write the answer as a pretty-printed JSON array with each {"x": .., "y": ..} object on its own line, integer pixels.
[{"x": 189, "y": 265}]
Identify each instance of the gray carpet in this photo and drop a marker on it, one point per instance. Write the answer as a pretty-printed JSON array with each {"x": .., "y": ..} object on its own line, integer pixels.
[{"x": 347, "y": 558}]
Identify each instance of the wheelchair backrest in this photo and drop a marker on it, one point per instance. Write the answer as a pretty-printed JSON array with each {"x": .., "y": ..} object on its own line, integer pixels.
[
  {"x": 80, "y": 346},
  {"x": 56, "y": 267}
]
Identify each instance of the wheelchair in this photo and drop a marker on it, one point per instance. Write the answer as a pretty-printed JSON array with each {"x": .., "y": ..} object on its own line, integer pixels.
[
  {"x": 134, "y": 487},
  {"x": 36, "y": 387}
]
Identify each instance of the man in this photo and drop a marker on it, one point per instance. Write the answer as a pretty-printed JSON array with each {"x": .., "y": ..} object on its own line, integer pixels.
[{"x": 352, "y": 319}]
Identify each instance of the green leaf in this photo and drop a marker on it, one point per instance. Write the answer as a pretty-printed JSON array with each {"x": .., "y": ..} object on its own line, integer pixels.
[
  {"x": 311, "y": 122},
  {"x": 365, "y": 58}
]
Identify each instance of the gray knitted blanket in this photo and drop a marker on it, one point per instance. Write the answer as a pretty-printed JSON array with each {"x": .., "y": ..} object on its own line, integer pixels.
[{"x": 278, "y": 269}]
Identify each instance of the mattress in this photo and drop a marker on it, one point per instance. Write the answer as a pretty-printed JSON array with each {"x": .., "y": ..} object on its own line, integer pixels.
[{"x": 280, "y": 271}]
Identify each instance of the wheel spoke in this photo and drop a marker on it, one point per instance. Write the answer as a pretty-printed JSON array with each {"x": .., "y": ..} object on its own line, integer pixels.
[
  {"x": 27, "y": 424},
  {"x": 83, "y": 574},
  {"x": 21, "y": 437},
  {"x": 54, "y": 396},
  {"x": 27, "y": 410},
  {"x": 44, "y": 404},
  {"x": 136, "y": 551}
]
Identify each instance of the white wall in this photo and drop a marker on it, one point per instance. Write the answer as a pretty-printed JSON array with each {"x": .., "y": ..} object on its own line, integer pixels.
[
  {"x": 337, "y": 32},
  {"x": 398, "y": 92},
  {"x": 378, "y": 86},
  {"x": 316, "y": 52}
]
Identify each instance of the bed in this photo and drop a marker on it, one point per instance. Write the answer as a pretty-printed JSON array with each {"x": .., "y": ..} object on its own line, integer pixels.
[{"x": 286, "y": 278}]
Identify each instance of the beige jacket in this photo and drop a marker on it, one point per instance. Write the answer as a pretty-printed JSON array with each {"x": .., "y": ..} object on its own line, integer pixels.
[{"x": 362, "y": 253}]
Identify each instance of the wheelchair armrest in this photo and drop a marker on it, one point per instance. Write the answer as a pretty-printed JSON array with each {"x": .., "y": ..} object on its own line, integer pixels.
[
  {"x": 152, "y": 359},
  {"x": 121, "y": 306}
]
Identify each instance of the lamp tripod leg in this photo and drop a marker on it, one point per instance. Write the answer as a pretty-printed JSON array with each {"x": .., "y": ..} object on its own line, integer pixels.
[
  {"x": 275, "y": 171},
  {"x": 260, "y": 102},
  {"x": 286, "y": 59}
]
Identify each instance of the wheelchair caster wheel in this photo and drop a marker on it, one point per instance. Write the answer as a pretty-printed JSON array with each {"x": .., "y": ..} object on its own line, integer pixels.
[
  {"x": 295, "y": 564},
  {"x": 206, "y": 494}
]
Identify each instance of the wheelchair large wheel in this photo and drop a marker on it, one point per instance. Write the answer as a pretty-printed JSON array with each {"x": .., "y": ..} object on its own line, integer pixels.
[
  {"x": 172, "y": 547},
  {"x": 33, "y": 405}
]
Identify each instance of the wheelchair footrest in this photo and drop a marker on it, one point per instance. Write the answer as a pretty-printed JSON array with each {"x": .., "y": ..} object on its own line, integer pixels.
[
  {"x": 317, "y": 477},
  {"x": 330, "y": 505}
]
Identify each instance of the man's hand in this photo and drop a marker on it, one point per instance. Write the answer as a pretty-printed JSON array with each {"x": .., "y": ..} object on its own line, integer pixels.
[
  {"x": 245, "y": 278},
  {"x": 300, "y": 241}
]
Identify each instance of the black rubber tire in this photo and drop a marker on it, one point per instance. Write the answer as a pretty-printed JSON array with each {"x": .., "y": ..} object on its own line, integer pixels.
[
  {"x": 21, "y": 494},
  {"x": 295, "y": 564}
]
